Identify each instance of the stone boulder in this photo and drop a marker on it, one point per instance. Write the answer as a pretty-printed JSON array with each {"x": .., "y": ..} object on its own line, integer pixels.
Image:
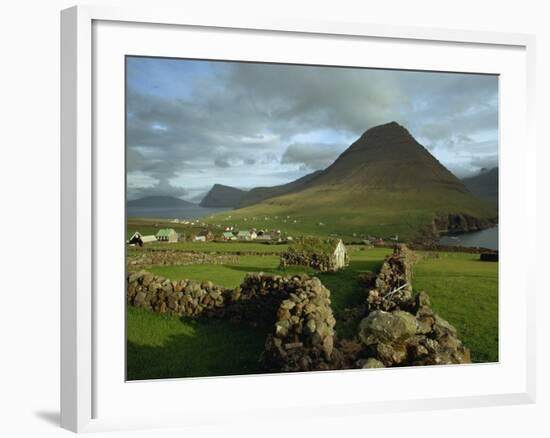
[
  {"x": 400, "y": 327},
  {"x": 381, "y": 326}
]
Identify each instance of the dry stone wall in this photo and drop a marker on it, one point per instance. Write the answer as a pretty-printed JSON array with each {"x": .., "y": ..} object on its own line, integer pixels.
[
  {"x": 303, "y": 338},
  {"x": 141, "y": 259},
  {"x": 298, "y": 306},
  {"x": 400, "y": 327},
  {"x": 182, "y": 298},
  {"x": 431, "y": 246},
  {"x": 320, "y": 262}
]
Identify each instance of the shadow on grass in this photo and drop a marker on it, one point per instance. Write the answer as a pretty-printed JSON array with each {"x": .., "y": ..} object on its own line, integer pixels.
[
  {"x": 159, "y": 346},
  {"x": 346, "y": 292},
  {"x": 204, "y": 348},
  {"x": 273, "y": 270},
  {"x": 345, "y": 289}
]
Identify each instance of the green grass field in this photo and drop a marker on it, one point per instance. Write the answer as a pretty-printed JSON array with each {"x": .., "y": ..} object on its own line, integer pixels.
[
  {"x": 228, "y": 275},
  {"x": 162, "y": 346},
  {"x": 350, "y": 212},
  {"x": 168, "y": 346},
  {"x": 342, "y": 284},
  {"x": 464, "y": 291},
  {"x": 220, "y": 247}
]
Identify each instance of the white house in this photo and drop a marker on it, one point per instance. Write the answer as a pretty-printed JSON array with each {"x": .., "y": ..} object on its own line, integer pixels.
[
  {"x": 167, "y": 235},
  {"x": 138, "y": 239},
  {"x": 339, "y": 255},
  {"x": 228, "y": 235},
  {"x": 246, "y": 235}
]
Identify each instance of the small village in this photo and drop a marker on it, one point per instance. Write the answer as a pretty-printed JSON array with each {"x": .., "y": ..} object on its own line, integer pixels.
[
  {"x": 327, "y": 254},
  {"x": 196, "y": 230},
  {"x": 170, "y": 235}
]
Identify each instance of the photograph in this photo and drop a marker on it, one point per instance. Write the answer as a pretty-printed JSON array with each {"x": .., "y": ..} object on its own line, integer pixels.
[{"x": 293, "y": 217}]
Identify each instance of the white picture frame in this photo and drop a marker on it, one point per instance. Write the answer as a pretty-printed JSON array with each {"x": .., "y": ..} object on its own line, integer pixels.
[{"x": 85, "y": 373}]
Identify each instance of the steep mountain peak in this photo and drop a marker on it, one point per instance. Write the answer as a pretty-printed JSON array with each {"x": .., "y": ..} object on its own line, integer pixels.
[
  {"x": 390, "y": 126},
  {"x": 223, "y": 186},
  {"x": 385, "y": 183},
  {"x": 388, "y": 136},
  {"x": 388, "y": 156}
]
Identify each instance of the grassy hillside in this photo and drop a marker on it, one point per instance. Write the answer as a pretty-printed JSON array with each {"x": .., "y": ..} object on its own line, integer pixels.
[
  {"x": 258, "y": 194},
  {"x": 384, "y": 184},
  {"x": 464, "y": 291},
  {"x": 336, "y": 210}
]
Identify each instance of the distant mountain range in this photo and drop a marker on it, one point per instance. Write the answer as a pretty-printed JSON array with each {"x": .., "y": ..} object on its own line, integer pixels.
[
  {"x": 484, "y": 185},
  {"x": 159, "y": 202},
  {"x": 259, "y": 194},
  {"x": 221, "y": 196},
  {"x": 385, "y": 183}
]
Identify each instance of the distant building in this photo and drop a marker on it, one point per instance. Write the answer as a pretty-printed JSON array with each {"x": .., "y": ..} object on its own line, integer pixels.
[
  {"x": 339, "y": 256},
  {"x": 199, "y": 239},
  {"x": 138, "y": 239},
  {"x": 246, "y": 235},
  {"x": 167, "y": 235},
  {"x": 265, "y": 237},
  {"x": 135, "y": 239},
  {"x": 323, "y": 255},
  {"x": 208, "y": 235},
  {"x": 228, "y": 235}
]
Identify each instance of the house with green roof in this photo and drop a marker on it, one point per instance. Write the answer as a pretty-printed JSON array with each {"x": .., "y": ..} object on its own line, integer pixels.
[
  {"x": 246, "y": 235},
  {"x": 167, "y": 235},
  {"x": 228, "y": 235}
]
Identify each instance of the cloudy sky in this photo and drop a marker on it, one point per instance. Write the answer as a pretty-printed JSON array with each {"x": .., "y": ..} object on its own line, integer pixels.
[{"x": 191, "y": 124}]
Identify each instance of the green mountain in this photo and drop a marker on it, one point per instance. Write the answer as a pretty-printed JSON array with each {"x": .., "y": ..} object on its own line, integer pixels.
[
  {"x": 384, "y": 184},
  {"x": 484, "y": 185},
  {"x": 259, "y": 194},
  {"x": 230, "y": 197},
  {"x": 159, "y": 201},
  {"x": 221, "y": 196}
]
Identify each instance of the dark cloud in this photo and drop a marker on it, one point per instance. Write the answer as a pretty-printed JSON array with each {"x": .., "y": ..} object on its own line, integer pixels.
[
  {"x": 161, "y": 188},
  {"x": 198, "y": 123},
  {"x": 311, "y": 156}
]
